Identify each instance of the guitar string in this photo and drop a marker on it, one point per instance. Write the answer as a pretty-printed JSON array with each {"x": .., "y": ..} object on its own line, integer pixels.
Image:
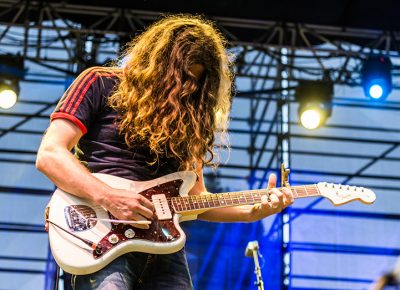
[
  {"x": 189, "y": 201},
  {"x": 239, "y": 194},
  {"x": 209, "y": 198},
  {"x": 236, "y": 195},
  {"x": 186, "y": 206},
  {"x": 213, "y": 198}
]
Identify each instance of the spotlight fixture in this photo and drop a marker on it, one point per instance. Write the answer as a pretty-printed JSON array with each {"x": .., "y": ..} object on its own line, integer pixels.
[
  {"x": 315, "y": 102},
  {"x": 11, "y": 71},
  {"x": 376, "y": 77},
  {"x": 9, "y": 91}
]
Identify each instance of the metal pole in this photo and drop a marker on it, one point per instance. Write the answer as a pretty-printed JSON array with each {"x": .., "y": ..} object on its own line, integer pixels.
[{"x": 252, "y": 251}]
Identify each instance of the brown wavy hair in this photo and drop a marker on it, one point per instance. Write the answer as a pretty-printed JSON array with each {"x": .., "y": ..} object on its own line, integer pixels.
[{"x": 160, "y": 100}]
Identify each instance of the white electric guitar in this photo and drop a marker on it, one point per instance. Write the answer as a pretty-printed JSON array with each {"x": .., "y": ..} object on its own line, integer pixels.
[{"x": 84, "y": 237}]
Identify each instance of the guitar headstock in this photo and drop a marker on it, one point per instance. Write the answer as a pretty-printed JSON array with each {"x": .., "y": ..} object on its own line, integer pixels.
[{"x": 340, "y": 194}]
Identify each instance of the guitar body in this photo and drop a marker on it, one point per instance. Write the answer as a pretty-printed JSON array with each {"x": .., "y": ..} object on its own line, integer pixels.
[{"x": 74, "y": 220}]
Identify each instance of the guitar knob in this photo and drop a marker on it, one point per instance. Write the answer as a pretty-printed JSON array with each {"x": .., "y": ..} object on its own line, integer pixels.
[
  {"x": 113, "y": 239},
  {"x": 129, "y": 233},
  {"x": 99, "y": 249}
]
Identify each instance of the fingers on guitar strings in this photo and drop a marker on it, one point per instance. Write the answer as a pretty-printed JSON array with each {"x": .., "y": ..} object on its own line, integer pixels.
[{"x": 273, "y": 199}]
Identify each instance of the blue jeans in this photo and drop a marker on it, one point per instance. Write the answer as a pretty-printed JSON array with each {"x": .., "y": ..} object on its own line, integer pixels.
[{"x": 139, "y": 271}]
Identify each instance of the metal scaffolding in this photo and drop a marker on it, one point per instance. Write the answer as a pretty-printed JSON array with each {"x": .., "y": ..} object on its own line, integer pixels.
[{"x": 58, "y": 40}]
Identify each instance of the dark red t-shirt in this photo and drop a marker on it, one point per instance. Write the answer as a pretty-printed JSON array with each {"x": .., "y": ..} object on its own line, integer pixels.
[{"x": 102, "y": 148}]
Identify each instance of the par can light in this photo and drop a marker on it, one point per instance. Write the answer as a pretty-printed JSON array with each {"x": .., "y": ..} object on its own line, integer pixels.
[
  {"x": 9, "y": 92},
  {"x": 376, "y": 77},
  {"x": 11, "y": 72},
  {"x": 315, "y": 103}
]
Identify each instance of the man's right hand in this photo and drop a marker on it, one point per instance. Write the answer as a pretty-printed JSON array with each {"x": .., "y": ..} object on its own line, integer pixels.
[{"x": 127, "y": 205}]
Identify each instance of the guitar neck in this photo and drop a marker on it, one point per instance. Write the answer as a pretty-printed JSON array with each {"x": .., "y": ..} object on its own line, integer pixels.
[{"x": 189, "y": 204}]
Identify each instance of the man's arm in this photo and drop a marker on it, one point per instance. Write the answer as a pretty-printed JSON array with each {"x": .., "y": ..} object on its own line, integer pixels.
[
  {"x": 55, "y": 160},
  {"x": 246, "y": 213}
]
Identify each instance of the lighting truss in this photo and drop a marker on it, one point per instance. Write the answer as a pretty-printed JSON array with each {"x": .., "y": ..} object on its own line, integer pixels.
[{"x": 47, "y": 36}]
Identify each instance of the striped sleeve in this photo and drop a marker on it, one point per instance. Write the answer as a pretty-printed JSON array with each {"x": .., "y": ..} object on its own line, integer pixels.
[{"x": 82, "y": 100}]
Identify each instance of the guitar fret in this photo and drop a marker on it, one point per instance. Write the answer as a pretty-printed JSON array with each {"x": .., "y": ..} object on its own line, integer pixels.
[
  {"x": 195, "y": 204},
  {"x": 213, "y": 201},
  {"x": 237, "y": 198},
  {"x": 305, "y": 191},
  {"x": 220, "y": 200},
  {"x": 256, "y": 196},
  {"x": 209, "y": 201},
  {"x": 187, "y": 204},
  {"x": 175, "y": 204},
  {"x": 301, "y": 192},
  {"x": 295, "y": 193},
  {"x": 228, "y": 200},
  {"x": 192, "y": 202},
  {"x": 203, "y": 201},
  {"x": 231, "y": 201},
  {"x": 313, "y": 191},
  {"x": 206, "y": 201},
  {"x": 316, "y": 191}
]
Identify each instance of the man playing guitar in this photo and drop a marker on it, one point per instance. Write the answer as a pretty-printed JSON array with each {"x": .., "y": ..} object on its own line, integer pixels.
[{"x": 152, "y": 116}]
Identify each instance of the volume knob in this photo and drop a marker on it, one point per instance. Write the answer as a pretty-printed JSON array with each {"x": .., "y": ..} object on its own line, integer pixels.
[
  {"x": 129, "y": 233},
  {"x": 113, "y": 239}
]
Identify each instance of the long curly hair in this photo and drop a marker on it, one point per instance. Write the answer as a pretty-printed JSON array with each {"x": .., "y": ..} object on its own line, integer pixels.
[{"x": 162, "y": 102}]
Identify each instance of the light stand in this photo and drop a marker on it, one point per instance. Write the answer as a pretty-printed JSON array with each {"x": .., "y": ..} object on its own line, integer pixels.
[{"x": 252, "y": 251}]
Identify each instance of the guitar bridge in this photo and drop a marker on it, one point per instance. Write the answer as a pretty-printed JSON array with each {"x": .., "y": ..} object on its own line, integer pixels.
[{"x": 80, "y": 217}]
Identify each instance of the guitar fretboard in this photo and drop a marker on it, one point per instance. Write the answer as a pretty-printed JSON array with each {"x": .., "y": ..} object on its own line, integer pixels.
[{"x": 208, "y": 201}]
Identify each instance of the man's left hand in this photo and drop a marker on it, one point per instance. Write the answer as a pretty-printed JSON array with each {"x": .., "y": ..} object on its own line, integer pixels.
[{"x": 274, "y": 202}]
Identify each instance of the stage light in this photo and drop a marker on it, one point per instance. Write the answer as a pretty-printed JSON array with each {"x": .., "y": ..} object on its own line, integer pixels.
[
  {"x": 310, "y": 118},
  {"x": 11, "y": 72},
  {"x": 376, "y": 77},
  {"x": 9, "y": 92},
  {"x": 315, "y": 103}
]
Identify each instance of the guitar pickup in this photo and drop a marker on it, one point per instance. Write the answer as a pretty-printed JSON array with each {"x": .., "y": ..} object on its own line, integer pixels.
[{"x": 161, "y": 206}]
